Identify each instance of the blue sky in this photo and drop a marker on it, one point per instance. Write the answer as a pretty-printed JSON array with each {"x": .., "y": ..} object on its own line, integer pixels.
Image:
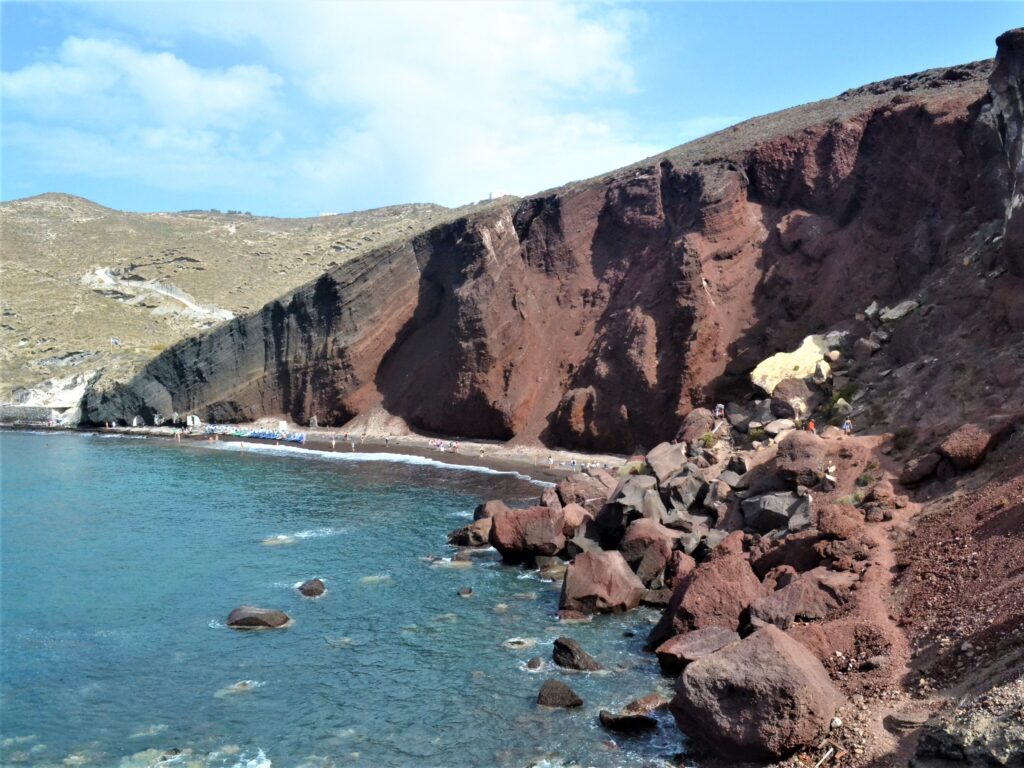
[{"x": 291, "y": 109}]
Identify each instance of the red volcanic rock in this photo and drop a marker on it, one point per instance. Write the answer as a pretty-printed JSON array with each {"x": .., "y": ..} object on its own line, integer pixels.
[
  {"x": 795, "y": 399},
  {"x": 839, "y": 521},
  {"x": 756, "y": 700},
  {"x": 597, "y": 315},
  {"x": 715, "y": 594},
  {"x": 801, "y": 458},
  {"x": 600, "y": 582},
  {"x": 476, "y": 534},
  {"x": 643, "y": 535},
  {"x": 676, "y": 652},
  {"x": 489, "y": 509},
  {"x": 522, "y": 534},
  {"x": 568, "y": 654},
  {"x": 680, "y": 565},
  {"x": 919, "y": 468},
  {"x": 587, "y": 491},
  {"x": 574, "y": 516},
  {"x": 549, "y": 498},
  {"x": 816, "y": 594},
  {"x": 967, "y": 446},
  {"x": 697, "y": 423}
]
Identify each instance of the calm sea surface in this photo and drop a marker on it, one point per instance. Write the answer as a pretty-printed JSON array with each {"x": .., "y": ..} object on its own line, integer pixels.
[{"x": 121, "y": 558}]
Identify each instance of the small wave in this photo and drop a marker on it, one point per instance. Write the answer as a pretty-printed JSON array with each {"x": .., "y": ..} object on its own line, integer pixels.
[
  {"x": 258, "y": 760},
  {"x": 214, "y": 624},
  {"x": 153, "y": 730},
  {"x": 376, "y": 578},
  {"x": 359, "y": 456},
  {"x": 519, "y": 643},
  {"x": 242, "y": 686},
  {"x": 288, "y": 539}
]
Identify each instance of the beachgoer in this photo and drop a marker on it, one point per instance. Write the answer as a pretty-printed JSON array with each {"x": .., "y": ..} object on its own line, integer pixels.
[
  {"x": 574, "y": 465},
  {"x": 847, "y": 427},
  {"x": 387, "y": 440},
  {"x": 333, "y": 442},
  {"x": 719, "y": 411},
  {"x": 810, "y": 425},
  {"x": 352, "y": 443}
]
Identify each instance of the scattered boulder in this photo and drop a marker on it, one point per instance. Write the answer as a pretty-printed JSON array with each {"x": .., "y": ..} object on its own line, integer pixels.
[
  {"x": 839, "y": 521},
  {"x": 759, "y": 699},
  {"x": 522, "y": 534},
  {"x": 312, "y": 588},
  {"x": 919, "y": 468},
  {"x": 801, "y": 459},
  {"x": 568, "y": 654},
  {"x": 795, "y": 398},
  {"x": 901, "y": 310},
  {"x": 250, "y": 617},
  {"x": 967, "y": 446},
  {"x": 666, "y": 460},
  {"x": 863, "y": 349},
  {"x": 476, "y": 534},
  {"x": 549, "y": 498},
  {"x": 629, "y": 494},
  {"x": 697, "y": 423},
  {"x": 627, "y": 722},
  {"x": 715, "y": 594},
  {"x": 676, "y": 652},
  {"x": 777, "y": 510},
  {"x": 557, "y": 694},
  {"x": 813, "y": 595},
  {"x": 535, "y": 662},
  {"x": 600, "y": 582},
  {"x": 678, "y": 566},
  {"x": 777, "y": 426}
]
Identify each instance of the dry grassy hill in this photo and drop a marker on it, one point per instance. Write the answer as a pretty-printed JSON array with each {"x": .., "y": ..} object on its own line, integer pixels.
[{"x": 75, "y": 274}]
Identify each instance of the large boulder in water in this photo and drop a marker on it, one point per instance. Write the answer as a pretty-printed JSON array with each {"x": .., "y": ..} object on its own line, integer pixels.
[
  {"x": 476, "y": 534},
  {"x": 250, "y": 617},
  {"x": 312, "y": 588},
  {"x": 716, "y": 593},
  {"x": 756, "y": 700},
  {"x": 520, "y": 535},
  {"x": 600, "y": 582},
  {"x": 489, "y": 509},
  {"x": 568, "y": 654},
  {"x": 557, "y": 694}
]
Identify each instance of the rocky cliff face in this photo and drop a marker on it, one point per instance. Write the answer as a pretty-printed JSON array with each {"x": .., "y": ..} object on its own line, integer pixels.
[{"x": 597, "y": 315}]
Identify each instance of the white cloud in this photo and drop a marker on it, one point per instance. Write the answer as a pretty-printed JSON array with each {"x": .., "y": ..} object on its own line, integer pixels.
[
  {"x": 350, "y": 104},
  {"x": 95, "y": 81}
]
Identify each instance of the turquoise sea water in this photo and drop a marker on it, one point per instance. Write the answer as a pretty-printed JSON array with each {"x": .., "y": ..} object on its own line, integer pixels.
[{"x": 121, "y": 558}]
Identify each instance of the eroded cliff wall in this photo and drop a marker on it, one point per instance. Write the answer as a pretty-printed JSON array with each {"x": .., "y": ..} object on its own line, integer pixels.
[{"x": 596, "y": 315}]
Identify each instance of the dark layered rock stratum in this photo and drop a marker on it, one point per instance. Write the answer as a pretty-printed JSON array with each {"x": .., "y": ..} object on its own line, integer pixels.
[{"x": 597, "y": 315}]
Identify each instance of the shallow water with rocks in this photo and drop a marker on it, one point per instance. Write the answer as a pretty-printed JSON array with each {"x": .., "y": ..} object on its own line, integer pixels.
[{"x": 121, "y": 559}]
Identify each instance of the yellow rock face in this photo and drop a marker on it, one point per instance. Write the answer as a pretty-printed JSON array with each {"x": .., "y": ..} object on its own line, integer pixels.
[{"x": 790, "y": 365}]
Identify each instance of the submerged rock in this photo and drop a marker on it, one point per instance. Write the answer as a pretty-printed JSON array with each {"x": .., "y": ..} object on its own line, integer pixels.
[
  {"x": 312, "y": 588},
  {"x": 557, "y": 694},
  {"x": 627, "y": 722},
  {"x": 250, "y": 617}
]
